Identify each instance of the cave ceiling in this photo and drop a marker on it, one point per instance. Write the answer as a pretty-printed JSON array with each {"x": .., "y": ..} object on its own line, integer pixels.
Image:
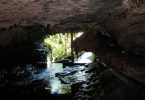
[
  {"x": 58, "y": 12},
  {"x": 54, "y": 12}
]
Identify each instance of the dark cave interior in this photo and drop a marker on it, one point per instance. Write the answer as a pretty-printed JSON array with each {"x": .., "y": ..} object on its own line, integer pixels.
[{"x": 113, "y": 31}]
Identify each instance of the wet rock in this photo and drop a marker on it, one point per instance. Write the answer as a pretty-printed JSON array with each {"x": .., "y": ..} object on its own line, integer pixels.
[
  {"x": 91, "y": 88},
  {"x": 64, "y": 61},
  {"x": 65, "y": 74},
  {"x": 96, "y": 67}
]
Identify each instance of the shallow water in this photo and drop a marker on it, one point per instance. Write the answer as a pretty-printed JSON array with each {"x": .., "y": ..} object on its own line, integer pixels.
[
  {"x": 39, "y": 78},
  {"x": 29, "y": 78}
]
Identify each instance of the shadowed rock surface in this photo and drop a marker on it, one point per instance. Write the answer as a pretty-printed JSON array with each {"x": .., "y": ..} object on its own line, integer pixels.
[{"x": 113, "y": 29}]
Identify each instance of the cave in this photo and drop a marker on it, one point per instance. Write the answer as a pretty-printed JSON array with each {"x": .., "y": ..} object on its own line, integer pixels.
[{"x": 113, "y": 31}]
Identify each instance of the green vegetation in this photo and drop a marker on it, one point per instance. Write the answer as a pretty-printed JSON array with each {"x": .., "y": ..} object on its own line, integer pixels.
[{"x": 59, "y": 45}]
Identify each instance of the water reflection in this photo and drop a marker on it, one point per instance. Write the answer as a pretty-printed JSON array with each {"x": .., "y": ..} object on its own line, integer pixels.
[
  {"x": 55, "y": 78},
  {"x": 56, "y": 87},
  {"x": 65, "y": 77}
]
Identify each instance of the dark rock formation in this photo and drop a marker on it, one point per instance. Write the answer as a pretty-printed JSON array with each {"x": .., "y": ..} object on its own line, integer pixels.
[
  {"x": 109, "y": 50},
  {"x": 29, "y": 33}
]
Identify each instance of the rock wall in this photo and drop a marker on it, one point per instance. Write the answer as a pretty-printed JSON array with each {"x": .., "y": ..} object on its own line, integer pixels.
[
  {"x": 18, "y": 34},
  {"x": 108, "y": 49}
]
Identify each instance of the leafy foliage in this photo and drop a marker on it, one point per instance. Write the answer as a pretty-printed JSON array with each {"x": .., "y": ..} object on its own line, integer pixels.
[{"x": 59, "y": 45}]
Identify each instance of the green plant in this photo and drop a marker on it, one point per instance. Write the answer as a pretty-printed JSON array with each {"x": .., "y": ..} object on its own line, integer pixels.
[{"x": 59, "y": 45}]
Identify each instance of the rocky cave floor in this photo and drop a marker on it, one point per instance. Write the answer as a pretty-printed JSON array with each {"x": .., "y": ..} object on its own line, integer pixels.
[{"x": 86, "y": 81}]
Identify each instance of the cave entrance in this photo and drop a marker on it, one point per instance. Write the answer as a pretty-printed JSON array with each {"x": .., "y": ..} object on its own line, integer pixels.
[
  {"x": 59, "y": 47},
  {"x": 63, "y": 65},
  {"x": 33, "y": 77}
]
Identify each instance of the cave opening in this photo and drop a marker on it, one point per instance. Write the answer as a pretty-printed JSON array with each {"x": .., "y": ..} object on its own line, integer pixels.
[
  {"x": 60, "y": 48},
  {"x": 65, "y": 71}
]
